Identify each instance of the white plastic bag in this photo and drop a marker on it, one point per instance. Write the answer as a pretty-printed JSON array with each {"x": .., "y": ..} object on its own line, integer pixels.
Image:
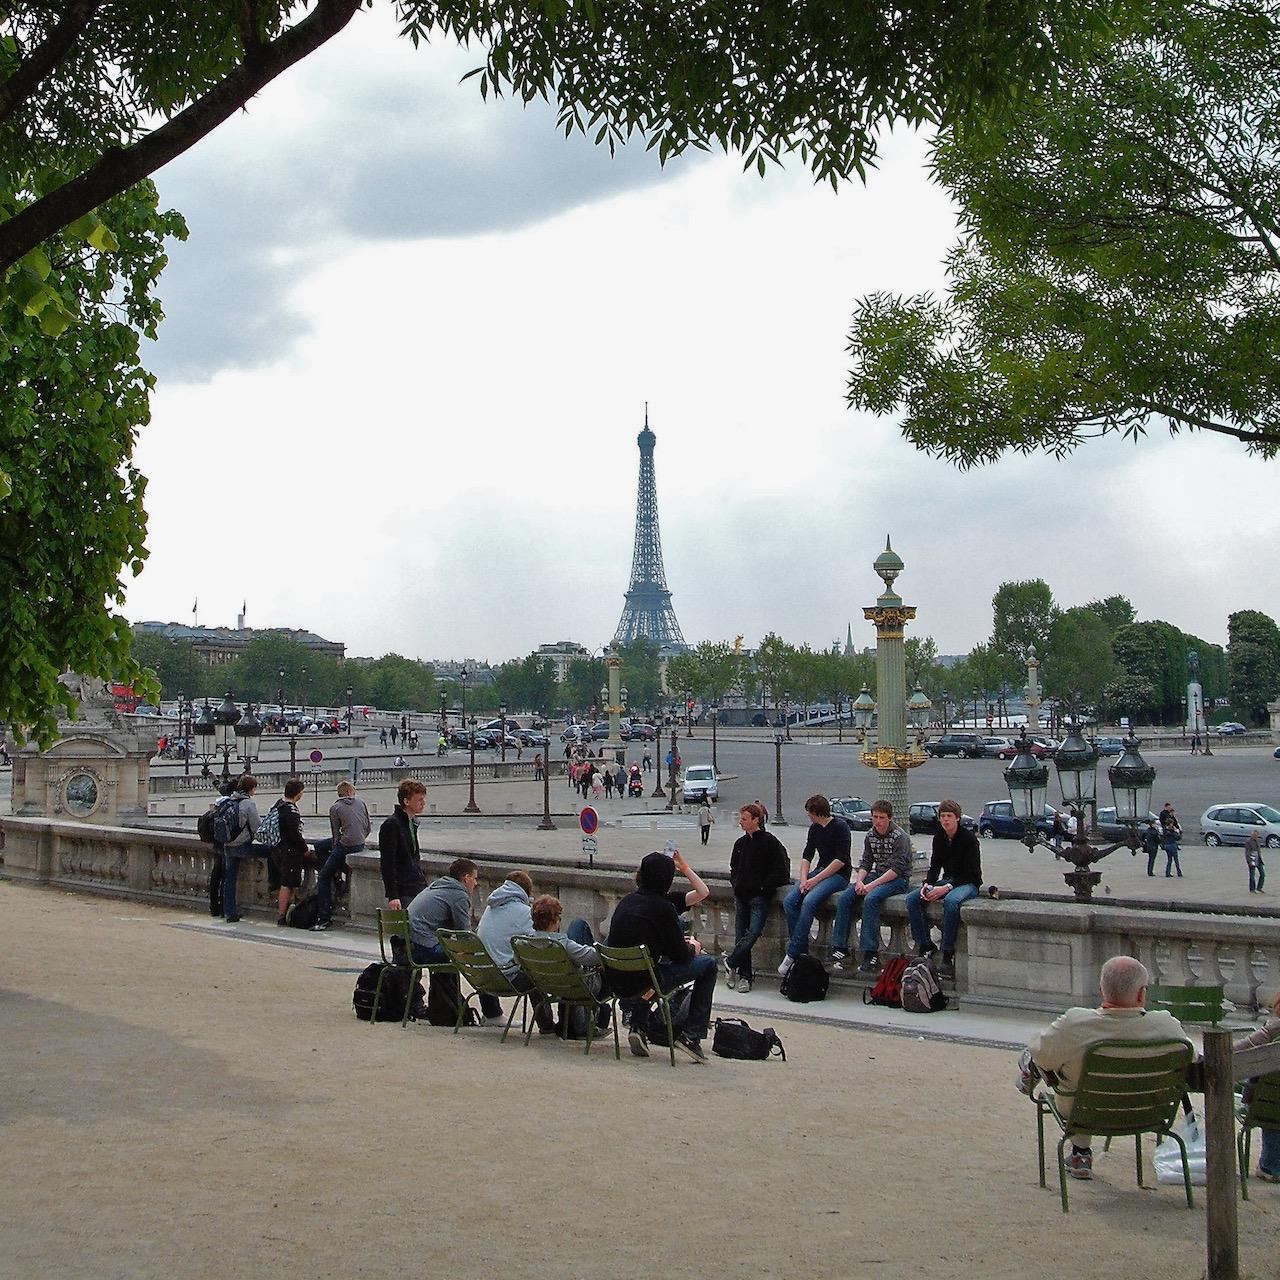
[{"x": 1168, "y": 1158}]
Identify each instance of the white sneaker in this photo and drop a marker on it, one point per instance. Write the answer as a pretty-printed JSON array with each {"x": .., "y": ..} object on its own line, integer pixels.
[
  {"x": 785, "y": 967},
  {"x": 731, "y": 976}
]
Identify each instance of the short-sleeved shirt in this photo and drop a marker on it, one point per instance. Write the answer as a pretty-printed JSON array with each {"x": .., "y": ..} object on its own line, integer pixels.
[{"x": 828, "y": 844}]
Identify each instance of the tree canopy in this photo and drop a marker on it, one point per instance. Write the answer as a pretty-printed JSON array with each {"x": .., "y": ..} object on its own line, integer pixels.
[{"x": 1119, "y": 258}]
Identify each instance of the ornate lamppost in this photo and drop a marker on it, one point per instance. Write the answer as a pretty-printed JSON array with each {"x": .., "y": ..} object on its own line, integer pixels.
[
  {"x": 657, "y": 793},
  {"x": 918, "y": 708},
  {"x": 546, "y": 824},
  {"x": 1077, "y": 764},
  {"x": 945, "y": 697},
  {"x": 225, "y": 719},
  {"x": 205, "y": 733},
  {"x": 715, "y": 720},
  {"x": 248, "y": 738},
  {"x": 675, "y": 762},
  {"x": 502, "y": 729},
  {"x": 349, "y": 709},
  {"x": 472, "y": 807},
  {"x": 786, "y": 702},
  {"x": 1032, "y": 690},
  {"x": 892, "y": 758},
  {"x": 863, "y": 713},
  {"x": 779, "y": 820},
  {"x": 688, "y": 713}
]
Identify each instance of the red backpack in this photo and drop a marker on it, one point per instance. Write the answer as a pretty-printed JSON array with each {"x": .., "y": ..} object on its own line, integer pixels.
[{"x": 888, "y": 986}]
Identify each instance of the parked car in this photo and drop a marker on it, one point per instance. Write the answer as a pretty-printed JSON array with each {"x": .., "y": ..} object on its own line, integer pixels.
[
  {"x": 854, "y": 810},
  {"x": 922, "y": 819},
  {"x": 1110, "y": 829},
  {"x": 968, "y": 745},
  {"x": 1232, "y": 823},
  {"x": 700, "y": 780},
  {"x": 998, "y": 821},
  {"x": 1109, "y": 746},
  {"x": 643, "y": 733},
  {"x": 1038, "y": 747},
  {"x": 999, "y": 748},
  {"x": 1231, "y": 729},
  {"x": 576, "y": 733}
]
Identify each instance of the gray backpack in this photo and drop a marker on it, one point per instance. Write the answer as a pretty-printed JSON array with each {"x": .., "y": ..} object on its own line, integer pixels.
[{"x": 921, "y": 988}]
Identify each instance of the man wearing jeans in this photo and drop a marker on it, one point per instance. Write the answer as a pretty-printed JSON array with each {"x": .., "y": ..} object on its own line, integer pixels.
[
  {"x": 885, "y": 870},
  {"x": 758, "y": 867},
  {"x": 826, "y": 854},
  {"x": 955, "y": 876},
  {"x": 350, "y": 825}
]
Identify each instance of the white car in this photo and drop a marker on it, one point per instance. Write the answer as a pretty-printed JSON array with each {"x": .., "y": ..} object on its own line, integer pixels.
[
  {"x": 700, "y": 780},
  {"x": 1233, "y": 823}
]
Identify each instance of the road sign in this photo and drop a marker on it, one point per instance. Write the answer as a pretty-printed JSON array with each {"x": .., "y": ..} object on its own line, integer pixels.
[
  {"x": 316, "y": 756},
  {"x": 589, "y": 849},
  {"x": 588, "y": 820}
]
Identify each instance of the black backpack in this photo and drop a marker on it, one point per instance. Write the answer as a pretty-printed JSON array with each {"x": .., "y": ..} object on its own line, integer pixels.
[
  {"x": 306, "y": 912},
  {"x": 734, "y": 1039},
  {"x": 806, "y": 980},
  {"x": 204, "y": 825},
  {"x": 395, "y": 991},
  {"x": 226, "y": 819}
]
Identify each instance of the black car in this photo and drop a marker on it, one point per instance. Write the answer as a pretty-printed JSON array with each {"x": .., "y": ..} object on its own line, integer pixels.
[
  {"x": 969, "y": 745},
  {"x": 643, "y": 733},
  {"x": 854, "y": 810},
  {"x": 922, "y": 819},
  {"x": 1110, "y": 829}
]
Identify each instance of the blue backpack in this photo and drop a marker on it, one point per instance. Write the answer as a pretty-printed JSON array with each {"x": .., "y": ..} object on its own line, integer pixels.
[{"x": 226, "y": 820}]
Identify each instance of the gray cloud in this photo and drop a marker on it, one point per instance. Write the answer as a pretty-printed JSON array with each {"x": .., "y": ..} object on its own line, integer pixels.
[{"x": 388, "y": 158}]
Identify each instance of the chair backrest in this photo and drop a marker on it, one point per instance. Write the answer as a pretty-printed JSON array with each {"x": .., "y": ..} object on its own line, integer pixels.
[
  {"x": 392, "y": 924},
  {"x": 1188, "y": 1004},
  {"x": 1264, "y": 1102},
  {"x": 469, "y": 955},
  {"x": 551, "y": 969},
  {"x": 628, "y": 960},
  {"x": 1131, "y": 1086}
]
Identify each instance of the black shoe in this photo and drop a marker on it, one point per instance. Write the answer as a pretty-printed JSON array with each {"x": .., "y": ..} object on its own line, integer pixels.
[
  {"x": 870, "y": 962},
  {"x": 236, "y": 919},
  {"x": 948, "y": 967},
  {"x": 925, "y": 949},
  {"x": 322, "y": 926},
  {"x": 639, "y": 1042},
  {"x": 281, "y": 920},
  {"x": 692, "y": 1047},
  {"x": 419, "y": 1012},
  {"x": 604, "y": 1019}
]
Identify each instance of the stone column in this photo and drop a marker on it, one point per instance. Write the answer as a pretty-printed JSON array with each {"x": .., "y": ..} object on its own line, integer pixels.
[
  {"x": 1033, "y": 690},
  {"x": 614, "y": 709},
  {"x": 892, "y": 756}
]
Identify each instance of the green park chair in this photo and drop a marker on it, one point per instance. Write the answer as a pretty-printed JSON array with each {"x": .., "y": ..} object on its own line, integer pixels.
[
  {"x": 469, "y": 956},
  {"x": 1261, "y": 1111},
  {"x": 556, "y": 979},
  {"x": 630, "y": 961},
  {"x": 1127, "y": 1088},
  {"x": 395, "y": 924},
  {"x": 1188, "y": 1004}
]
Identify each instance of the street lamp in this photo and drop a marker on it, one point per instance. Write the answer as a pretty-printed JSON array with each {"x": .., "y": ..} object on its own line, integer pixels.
[
  {"x": 502, "y": 713},
  {"x": 1077, "y": 763},
  {"x": 945, "y": 698},
  {"x": 786, "y": 697},
  {"x": 657, "y": 793},
  {"x": 918, "y": 708},
  {"x": 205, "y": 731},
  {"x": 715, "y": 717},
  {"x": 472, "y": 807},
  {"x": 675, "y": 763},
  {"x": 864, "y": 709},
  {"x": 546, "y": 824},
  {"x": 304, "y": 691},
  {"x": 688, "y": 713},
  {"x": 224, "y": 721},
  {"x": 778, "y": 819},
  {"x": 248, "y": 738},
  {"x": 349, "y": 709}
]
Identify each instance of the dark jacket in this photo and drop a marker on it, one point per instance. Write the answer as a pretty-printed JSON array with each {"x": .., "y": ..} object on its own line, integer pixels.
[
  {"x": 956, "y": 862},
  {"x": 651, "y": 918},
  {"x": 291, "y": 838},
  {"x": 402, "y": 874},
  {"x": 758, "y": 865}
]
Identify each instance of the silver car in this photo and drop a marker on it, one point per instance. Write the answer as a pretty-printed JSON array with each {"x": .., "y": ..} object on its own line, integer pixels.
[
  {"x": 1232, "y": 823},
  {"x": 700, "y": 780}
]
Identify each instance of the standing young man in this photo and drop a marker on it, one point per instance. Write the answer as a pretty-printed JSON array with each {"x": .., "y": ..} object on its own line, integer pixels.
[
  {"x": 885, "y": 871},
  {"x": 402, "y": 875},
  {"x": 758, "y": 868},
  {"x": 824, "y": 870},
  {"x": 292, "y": 848}
]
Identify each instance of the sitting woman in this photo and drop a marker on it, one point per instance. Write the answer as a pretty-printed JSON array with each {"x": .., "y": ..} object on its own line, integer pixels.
[
  {"x": 578, "y": 941},
  {"x": 1268, "y": 1169}
]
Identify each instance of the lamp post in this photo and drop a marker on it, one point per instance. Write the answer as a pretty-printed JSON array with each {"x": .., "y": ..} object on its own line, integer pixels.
[
  {"x": 248, "y": 738},
  {"x": 779, "y": 820},
  {"x": 205, "y": 733},
  {"x": 472, "y": 807},
  {"x": 502, "y": 730},
  {"x": 444, "y": 715},
  {"x": 715, "y": 720},
  {"x": 1077, "y": 763},
  {"x": 945, "y": 697},
  {"x": 657, "y": 793},
  {"x": 862, "y": 712},
  {"x": 675, "y": 763},
  {"x": 786, "y": 701},
  {"x": 224, "y": 720},
  {"x": 688, "y": 713},
  {"x": 349, "y": 709},
  {"x": 304, "y": 690},
  {"x": 546, "y": 824},
  {"x": 918, "y": 708}
]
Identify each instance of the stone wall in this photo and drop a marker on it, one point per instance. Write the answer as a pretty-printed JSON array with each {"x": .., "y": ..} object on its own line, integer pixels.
[{"x": 1035, "y": 956}]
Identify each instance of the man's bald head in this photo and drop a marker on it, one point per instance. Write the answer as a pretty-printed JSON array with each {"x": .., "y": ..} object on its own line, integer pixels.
[{"x": 1123, "y": 983}]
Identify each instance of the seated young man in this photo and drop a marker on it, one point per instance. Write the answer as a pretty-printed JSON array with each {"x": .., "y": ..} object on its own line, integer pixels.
[
  {"x": 444, "y": 904},
  {"x": 955, "y": 876},
  {"x": 579, "y": 942},
  {"x": 884, "y": 872},
  {"x": 651, "y": 916},
  {"x": 824, "y": 870}
]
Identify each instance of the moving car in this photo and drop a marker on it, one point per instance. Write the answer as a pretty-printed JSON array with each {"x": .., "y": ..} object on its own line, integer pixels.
[
  {"x": 1231, "y": 729},
  {"x": 922, "y": 819},
  {"x": 1232, "y": 823},
  {"x": 968, "y": 745},
  {"x": 854, "y": 810},
  {"x": 700, "y": 780}
]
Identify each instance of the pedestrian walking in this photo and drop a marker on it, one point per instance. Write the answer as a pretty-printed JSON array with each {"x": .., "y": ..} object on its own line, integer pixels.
[
  {"x": 537, "y": 767},
  {"x": 646, "y": 764},
  {"x": 1195, "y": 743},
  {"x": 608, "y": 785},
  {"x": 1151, "y": 846},
  {"x": 393, "y": 735},
  {"x": 382, "y": 736},
  {"x": 1253, "y": 860},
  {"x": 705, "y": 817},
  {"x": 1171, "y": 833}
]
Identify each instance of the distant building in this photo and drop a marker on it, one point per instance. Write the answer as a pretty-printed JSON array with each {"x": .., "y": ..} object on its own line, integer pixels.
[
  {"x": 219, "y": 646},
  {"x": 478, "y": 672},
  {"x": 562, "y": 653}
]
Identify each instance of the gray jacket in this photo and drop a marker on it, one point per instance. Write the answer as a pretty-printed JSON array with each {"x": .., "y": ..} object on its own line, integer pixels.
[
  {"x": 349, "y": 822},
  {"x": 891, "y": 850},
  {"x": 249, "y": 820},
  {"x": 505, "y": 914},
  {"x": 443, "y": 904}
]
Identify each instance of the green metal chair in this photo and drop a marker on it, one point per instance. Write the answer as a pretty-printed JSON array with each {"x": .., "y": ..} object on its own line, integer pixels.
[
  {"x": 630, "y": 961},
  {"x": 1127, "y": 1088},
  {"x": 1262, "y": 1111},
  {"x": 1188, "y": 1004},
  {"x": 395, "y": 924},
  {"x": 469, "y": 956},
  {"x": 556, "y": 979}
]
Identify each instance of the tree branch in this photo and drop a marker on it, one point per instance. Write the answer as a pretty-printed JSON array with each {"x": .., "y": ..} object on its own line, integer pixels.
[
  {"x": 46, "y": 55},
  {"x": 1262, "y": 437},
  {"x": 118, "y": 170},
  {"x": 250, "y": 35}
]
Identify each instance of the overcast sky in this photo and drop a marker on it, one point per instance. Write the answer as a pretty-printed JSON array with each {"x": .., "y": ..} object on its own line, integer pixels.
[{"x": 409, "y": 345}]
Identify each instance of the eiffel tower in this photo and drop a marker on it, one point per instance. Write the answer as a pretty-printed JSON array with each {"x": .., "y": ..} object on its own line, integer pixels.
[{"x": 648, "y": 610}]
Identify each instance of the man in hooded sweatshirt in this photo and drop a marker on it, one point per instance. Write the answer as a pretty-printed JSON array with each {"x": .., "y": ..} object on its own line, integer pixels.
[
  {"x": 651, "y": 916},
  {"x": 349, "y": 822},
  {"x": 444, "y": 904},
  {"x": 506, "y": 915}
]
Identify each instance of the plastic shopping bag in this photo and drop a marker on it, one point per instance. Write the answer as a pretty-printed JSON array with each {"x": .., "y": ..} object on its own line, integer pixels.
[{"x": 1168, "y": 1158}]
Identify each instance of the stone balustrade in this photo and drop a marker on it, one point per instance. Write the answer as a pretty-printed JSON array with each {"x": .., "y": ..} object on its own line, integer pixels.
[{"x": 1012, "y": 954}]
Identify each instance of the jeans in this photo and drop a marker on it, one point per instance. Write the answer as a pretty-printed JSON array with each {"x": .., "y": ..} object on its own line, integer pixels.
[
  {"x": 701, "y": 971},
  {"x": 490, "y": 1006},
  {"x": 951, "y": 905},
  {"x": 1259, "y": 874},
  {"x": 230, "y": 874},
  {"x": 1269, "y": 1155},
  {"x": 869, "y": 936},
  {"x": 1171, "y": 857},
  {"x": 750, "y": 915},
  {"x": 802, "y": 907},
  {"x": 330, "y": 854}
]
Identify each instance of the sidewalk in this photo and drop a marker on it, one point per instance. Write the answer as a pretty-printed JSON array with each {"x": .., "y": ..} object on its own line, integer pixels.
[{"x": 187, "y": 1100}]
